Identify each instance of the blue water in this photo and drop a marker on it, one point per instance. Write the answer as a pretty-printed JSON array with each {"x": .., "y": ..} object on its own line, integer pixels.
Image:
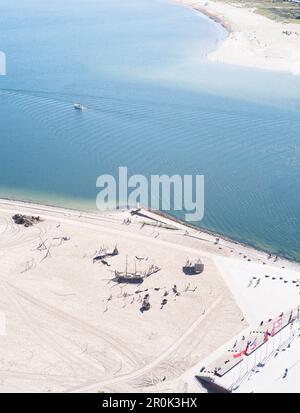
[{"x": 155, "y": 104}]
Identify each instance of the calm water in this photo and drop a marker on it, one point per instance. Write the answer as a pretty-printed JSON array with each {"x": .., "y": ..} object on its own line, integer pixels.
[{"x": 154, "y": 104}]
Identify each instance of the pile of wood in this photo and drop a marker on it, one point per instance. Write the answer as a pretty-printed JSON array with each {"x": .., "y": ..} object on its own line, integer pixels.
[{"x": 26, "y": 220}]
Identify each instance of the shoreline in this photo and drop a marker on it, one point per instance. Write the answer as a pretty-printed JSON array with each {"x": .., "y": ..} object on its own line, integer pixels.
[
  {"x": 211, "y": 15},
  {"x": 65, "y": 290},
  {"x": 225, "y": 237},
  {"x": 253, "y": 41},
  {"x": 159, "y": 213}
]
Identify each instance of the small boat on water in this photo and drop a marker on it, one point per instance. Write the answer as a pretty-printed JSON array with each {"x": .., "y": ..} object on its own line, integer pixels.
[{"x": 78, "y": 106}]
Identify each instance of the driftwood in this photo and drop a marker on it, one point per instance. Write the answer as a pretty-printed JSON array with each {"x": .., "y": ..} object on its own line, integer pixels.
[
  {"x": 29, "y": 265},
  {"x": 42, "y": 245},
  {"x": 48, "y": 254}
]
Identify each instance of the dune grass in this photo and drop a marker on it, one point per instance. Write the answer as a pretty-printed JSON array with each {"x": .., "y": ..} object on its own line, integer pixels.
[{"x": 281, "y": 10}]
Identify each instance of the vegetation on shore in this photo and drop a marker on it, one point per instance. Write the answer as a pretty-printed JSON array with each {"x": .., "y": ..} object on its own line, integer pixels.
[{"x": 281, "y": 10}]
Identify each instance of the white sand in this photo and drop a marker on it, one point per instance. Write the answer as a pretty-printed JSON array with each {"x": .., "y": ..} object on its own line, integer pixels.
[
  {"x": 63, "y": 335},
  {"x": 254, "y": 41}
]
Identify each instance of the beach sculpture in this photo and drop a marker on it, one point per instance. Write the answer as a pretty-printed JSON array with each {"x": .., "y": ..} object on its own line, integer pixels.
[
  {"x": 134, "y": 277},
  {"x": 193, "y": 266},
  {"x": 105, "y": 253}
]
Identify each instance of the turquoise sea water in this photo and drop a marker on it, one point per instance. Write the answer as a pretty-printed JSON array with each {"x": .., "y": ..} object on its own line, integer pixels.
[{"x": 155, "y": 104}]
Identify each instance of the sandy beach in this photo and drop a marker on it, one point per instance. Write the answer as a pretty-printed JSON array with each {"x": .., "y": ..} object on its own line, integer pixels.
[
  {"x": 69, "y": 326},
  {"x": 253, "y": 40}
]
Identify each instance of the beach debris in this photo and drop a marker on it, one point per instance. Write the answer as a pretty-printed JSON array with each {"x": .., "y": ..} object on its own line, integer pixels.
[
  {"x": 163, "y": 303},
  {"x": 61, "y": 240},
  {"x": 257, "y": 283},
  {"x": 127, "y": 221},
  {"x": 175, "y": 290},
  {"x": 104, "y": 253},
  {"x": 187, "y": 287},
  {"x": 152, "y": 270},
  {"x": 26, "y": 220},
  {"x": 193, "y": 266},
  {"x": 134, "y": 277},
  {"x": 48, "y": 254},
  {"x": 28, "y": 265},
  {"x": 42, "y": 245},
  {"x": 141, "y": 258},
  {"x": 146, "y": 304},
  {"x": 128, "y": 278}
]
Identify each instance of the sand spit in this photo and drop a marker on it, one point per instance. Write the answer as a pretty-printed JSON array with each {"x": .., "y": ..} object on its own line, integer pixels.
[{"x": 253, "y": 40}]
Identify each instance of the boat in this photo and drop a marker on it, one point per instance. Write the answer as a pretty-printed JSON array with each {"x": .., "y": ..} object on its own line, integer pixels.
[
  {"x": 135, "y": 277},
  {"x": 193, "y": 266},
  {"x": 105, "y": 253},
  {"x": 78, "y": 106},
  {"x": 128, "y": 278}
]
